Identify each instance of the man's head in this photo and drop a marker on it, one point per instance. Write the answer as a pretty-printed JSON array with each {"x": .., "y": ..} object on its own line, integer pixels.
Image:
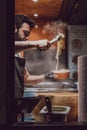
[{"x": 23, "y": 27}]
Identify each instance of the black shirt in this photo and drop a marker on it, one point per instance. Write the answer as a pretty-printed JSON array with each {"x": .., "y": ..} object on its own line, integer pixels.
[{"x": 19, "y": 77}]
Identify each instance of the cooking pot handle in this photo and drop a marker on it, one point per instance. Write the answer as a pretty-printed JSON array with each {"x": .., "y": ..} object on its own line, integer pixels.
[{"x": 48, "y": 104}]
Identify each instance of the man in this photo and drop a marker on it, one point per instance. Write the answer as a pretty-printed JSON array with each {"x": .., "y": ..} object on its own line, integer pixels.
[{"x": 23, "y": 27}]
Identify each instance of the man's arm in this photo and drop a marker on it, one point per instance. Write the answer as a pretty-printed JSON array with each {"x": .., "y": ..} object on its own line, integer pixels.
[
  {"x": 39, "y": 44},
  {"x": 35, "y": 79},
  {"x": 32, "y": 79},
  {"x": 25, "y": 45}
]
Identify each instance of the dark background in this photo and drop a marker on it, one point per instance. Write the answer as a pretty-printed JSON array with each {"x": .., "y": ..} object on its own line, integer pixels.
[{"x": 6, "y": 61}]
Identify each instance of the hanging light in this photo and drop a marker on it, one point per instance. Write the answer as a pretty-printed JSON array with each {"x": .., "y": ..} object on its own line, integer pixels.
[
  {"x": 35, "y": 0},
  {"x": 36, "y": 26},
  {"x": 35, "y": 15}
]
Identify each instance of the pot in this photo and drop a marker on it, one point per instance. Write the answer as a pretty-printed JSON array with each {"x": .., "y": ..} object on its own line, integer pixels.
[
  {"x": 58, "y": 114},
  {"x": 61, "y": 74}
]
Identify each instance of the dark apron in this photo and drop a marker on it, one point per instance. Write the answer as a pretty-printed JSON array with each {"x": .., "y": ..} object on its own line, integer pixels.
[{"x": 19, "y": 77}]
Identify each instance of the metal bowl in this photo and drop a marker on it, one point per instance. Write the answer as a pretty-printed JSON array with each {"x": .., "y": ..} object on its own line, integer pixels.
[{"x": 58, "y": 114}]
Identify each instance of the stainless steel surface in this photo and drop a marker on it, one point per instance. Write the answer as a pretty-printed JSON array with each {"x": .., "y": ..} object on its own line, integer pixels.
[{"x": 51, "y": 86}]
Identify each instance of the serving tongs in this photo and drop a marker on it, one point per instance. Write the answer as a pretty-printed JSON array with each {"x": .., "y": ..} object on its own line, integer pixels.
[
  {"x": 48, "y": 105},
  {"x": 57, "y": 38}
]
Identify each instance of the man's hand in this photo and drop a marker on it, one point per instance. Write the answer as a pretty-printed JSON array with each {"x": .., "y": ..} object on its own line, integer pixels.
[
  {"x": 49, "y": 76},
  {"x": 43, "y": 45}
]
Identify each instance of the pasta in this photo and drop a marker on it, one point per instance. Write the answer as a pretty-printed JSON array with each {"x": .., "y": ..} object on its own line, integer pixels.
[{"x": 60, "y": 46}]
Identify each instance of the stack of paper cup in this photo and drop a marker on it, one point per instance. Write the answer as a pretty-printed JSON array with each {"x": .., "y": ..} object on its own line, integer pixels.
[{"x": 82, "y": 94}]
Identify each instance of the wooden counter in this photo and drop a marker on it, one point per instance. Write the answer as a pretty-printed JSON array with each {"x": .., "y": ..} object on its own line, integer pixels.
[{"x": 59, "y": 98}]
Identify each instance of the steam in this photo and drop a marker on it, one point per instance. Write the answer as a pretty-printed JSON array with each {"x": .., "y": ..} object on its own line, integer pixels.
[{"x": 52, "y": 29}]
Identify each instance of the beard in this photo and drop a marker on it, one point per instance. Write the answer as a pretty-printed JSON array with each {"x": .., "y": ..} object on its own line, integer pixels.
[{"x": 17, "y": 37}]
